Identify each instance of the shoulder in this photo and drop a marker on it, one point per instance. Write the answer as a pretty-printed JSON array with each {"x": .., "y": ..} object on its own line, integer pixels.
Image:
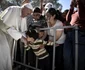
[
  {"x": 13, "y": 7},
  {"x": 59, "y": 23},
  {"x": 75, "y": 14}
]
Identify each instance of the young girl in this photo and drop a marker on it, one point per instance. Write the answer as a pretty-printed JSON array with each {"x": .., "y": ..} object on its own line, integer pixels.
[{"x": 41, "y": 53}]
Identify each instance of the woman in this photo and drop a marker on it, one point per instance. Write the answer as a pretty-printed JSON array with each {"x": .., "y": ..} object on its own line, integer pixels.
[{"x": 55, "y": 19}]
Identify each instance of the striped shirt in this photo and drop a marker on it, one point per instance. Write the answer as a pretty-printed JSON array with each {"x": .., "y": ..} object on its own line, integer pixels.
[{"x": 41, "y": 53}]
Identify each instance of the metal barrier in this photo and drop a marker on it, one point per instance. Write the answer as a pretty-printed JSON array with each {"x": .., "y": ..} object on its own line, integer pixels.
[
  {"x": 76, "y": 48},
  {"x": 53, "y": 63},
  {"x": 27, "y": 66},
  {"x": 76, "y": 44}
]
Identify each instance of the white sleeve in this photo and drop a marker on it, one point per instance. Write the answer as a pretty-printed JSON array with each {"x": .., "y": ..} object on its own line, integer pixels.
[
  {"x": 59, "y": 24},
  {"x": 14, "y": 33}
]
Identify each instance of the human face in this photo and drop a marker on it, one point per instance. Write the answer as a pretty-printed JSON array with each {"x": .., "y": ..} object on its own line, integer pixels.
[
  {"x": 26, "y": 11},
  {"x": 41, "y": 34},
  {"x": 50, "y": 19},
  {"x": 30, "y": 39},
  {"x": 36, "y": 16}
]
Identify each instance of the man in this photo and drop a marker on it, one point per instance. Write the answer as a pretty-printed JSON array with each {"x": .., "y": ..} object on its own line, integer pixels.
[
  {"x": 72, "y": 15},
  {"x": 69, "y": 45},
  {"x": 12, "y": 25}
]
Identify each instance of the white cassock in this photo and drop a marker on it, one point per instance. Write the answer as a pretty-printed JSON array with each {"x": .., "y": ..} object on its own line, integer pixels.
[{"x": 12, "y": 27}]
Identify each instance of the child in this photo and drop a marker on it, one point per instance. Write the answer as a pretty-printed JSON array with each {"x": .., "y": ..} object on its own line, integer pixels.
[{"x": 40, "y": 52}]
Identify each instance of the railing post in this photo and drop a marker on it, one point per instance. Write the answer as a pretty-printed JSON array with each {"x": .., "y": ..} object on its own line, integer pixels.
[
  {"x": 76, "y": 48},
  {"x": 53, "y": 62},
  {"x": 36, "y": 63},
  {"x": 53, "y": 65}
]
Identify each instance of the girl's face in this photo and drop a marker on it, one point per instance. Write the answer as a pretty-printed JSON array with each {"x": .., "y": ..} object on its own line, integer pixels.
[
  {"x": 50, "y": 18},
  {"x": 30, "y": 39}
]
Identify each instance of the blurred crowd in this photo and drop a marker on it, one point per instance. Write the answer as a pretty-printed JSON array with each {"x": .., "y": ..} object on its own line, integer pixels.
[{"x": 24, "y": 37}]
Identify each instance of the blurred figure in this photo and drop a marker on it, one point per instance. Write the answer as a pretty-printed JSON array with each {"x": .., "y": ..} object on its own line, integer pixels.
[
  {"x": 64, "y": 16},
  {"x": 66, "y": 23},
  {"x": 0, "y": 10},
  {"x": 60, "y": 8},
  {"x": 41, "y": 53},
  {"x": 43, "y": 9},
  {"x": 47, "y": 7},
  {"x": 72, "y": 15},
  {"x": 75, "y": 18},
  {"x": 35, "y": 21}
]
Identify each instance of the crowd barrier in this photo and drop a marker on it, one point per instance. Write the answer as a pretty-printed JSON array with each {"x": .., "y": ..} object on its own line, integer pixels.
[{"x": 53, "y": 63}]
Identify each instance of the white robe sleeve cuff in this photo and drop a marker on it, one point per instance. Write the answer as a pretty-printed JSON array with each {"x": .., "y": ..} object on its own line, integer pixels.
[{"x": 14, "y": 33}]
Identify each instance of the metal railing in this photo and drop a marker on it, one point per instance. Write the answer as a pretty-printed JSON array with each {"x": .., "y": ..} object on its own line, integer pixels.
[
  {"x": 76, "y": 43},
  {"x": 53, "y": 63}
]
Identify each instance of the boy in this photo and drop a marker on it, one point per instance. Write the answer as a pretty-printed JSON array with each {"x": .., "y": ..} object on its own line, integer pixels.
[{"x": 40, "y": 52}]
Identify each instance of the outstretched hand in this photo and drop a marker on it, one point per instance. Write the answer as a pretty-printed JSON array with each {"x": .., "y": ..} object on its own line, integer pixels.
[{"x": 24, "y": 40}]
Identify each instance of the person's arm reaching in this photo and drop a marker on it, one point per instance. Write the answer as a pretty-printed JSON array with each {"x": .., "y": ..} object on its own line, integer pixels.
[{"x": 70, "y": 12}]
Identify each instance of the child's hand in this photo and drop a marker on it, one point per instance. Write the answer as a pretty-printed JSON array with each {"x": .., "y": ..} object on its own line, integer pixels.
[
  {"x": 41, "y": 46},
  {"x": 24, "y": 40}
]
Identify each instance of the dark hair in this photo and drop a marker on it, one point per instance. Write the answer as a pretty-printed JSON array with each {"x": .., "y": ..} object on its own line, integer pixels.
[
  {"x": 65, "y": 11},
  {"x": 32, "y": 33},
  {"x": 37, "y": 10},
  {"x": 57, "y": 13}
]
